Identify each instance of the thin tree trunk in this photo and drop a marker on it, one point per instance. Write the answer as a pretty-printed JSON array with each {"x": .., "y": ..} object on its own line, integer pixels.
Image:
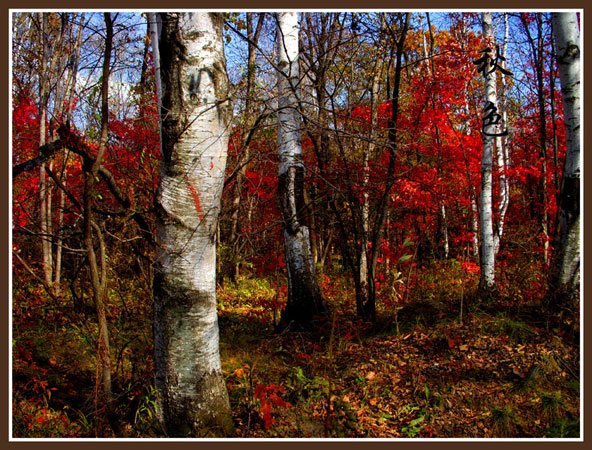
[
  {"x": 98, "y": 280},
  {"x": 66, "y": 117},
  {"x": 46, "y": 244},
  {"x": 538, "y": 62},
  {"x": 378, "y": 228},
  {"x": 556, "y": 177},
  {"x": 60, "y": 243},
  {"x": 502, "y": 155},
  {"x": 155, "y": 25},
  {"x": 253, "y": 39},
  {"x": 442, "y": 205},
  {"x": 365, "y": 201},
  {"x": 474, "y": 219}
]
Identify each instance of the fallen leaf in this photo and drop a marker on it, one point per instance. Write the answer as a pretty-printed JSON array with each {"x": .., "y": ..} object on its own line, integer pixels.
[{"x": 370, "y": 376}]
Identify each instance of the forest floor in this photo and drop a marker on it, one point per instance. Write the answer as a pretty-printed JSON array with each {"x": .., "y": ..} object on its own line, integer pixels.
[{"x": 502, "y": 369}]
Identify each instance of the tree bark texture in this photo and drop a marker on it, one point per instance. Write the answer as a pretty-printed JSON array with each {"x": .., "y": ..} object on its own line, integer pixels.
[
  {"x": 304, "y": 296},
  {"x": 196, "y": 115},
  {"x": 567, "y": 41},
  {"x": 487, "y": 259}
]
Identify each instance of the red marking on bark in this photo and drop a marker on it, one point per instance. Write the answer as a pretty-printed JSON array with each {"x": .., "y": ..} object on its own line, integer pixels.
[
  {"x": 195, "y": 196},
  {"x": 211, "y": 164}
]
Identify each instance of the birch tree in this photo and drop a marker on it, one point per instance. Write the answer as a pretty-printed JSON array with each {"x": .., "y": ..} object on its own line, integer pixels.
[
  {"x": 304, "y": 296},
  {"x": 502, "y": 152},
  {"x": 567, "y": 43},
  {"x": 487, "y": 259},
  {"x": 196, "y": 115}
]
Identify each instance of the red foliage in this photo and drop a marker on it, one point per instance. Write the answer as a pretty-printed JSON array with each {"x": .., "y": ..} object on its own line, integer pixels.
[{"x": 269, "y": 396}]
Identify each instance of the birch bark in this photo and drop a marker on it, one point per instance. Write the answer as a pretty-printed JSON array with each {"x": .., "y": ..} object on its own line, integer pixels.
[
  {"x": 304, "y": 296},
  {"x": 196, "y": 115},
  {"x": 487, "y": 259},
  {"x": 567, "y": 40}
]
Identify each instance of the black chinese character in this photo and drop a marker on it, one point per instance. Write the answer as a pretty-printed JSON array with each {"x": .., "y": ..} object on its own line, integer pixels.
[
  {"x": 491, "y": 118},
  {"x": 487, "y": 64}
]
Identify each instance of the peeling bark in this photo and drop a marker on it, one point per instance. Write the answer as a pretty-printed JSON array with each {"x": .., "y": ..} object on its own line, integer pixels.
[{"x": 196, "y": 116}]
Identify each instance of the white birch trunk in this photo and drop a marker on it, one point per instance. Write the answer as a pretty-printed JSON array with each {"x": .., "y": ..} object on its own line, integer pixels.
[
  {"x": 502, "y": 155},
  {"x": 367, "y": 152},
  {"x": 567, "y": 39},
  {"x": 445, "y": 230},
  {"x": 487, "y": 247},
  {"x": 153, "y": 20},
  {"x": 196, "y": 115},
  {"x": 304, "y": 296}
]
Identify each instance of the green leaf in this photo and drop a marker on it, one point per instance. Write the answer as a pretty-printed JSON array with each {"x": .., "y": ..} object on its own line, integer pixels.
[
  {"x": 405, "y": 258},
  {"x": 417, "y": 421}
]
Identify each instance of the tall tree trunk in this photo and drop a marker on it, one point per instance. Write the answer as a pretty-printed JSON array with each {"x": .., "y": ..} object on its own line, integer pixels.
[
  {"x": 253, "y": 34},
  {"x": 304, "y": 296},
  {"x": 502, "y": 155},
  {"x": 474, "y": 214},
  {"x": 154, "y": 26},
  {"x": 381, "y": 215},
  {"x": 65, "y": 116},
  {"x": 556, "y": 168},
  {"x": 99, "y": 279},
  {"x": 567, "y": 41},
  {"x": 487, "y": 259},
  {"x": 443, "y": 220},
  {"x": 539, "y": 65},
  {"x": 196, "y": 114},
  {"x": 44, "y": 197},
  {"x": 361, "y": 298}
]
